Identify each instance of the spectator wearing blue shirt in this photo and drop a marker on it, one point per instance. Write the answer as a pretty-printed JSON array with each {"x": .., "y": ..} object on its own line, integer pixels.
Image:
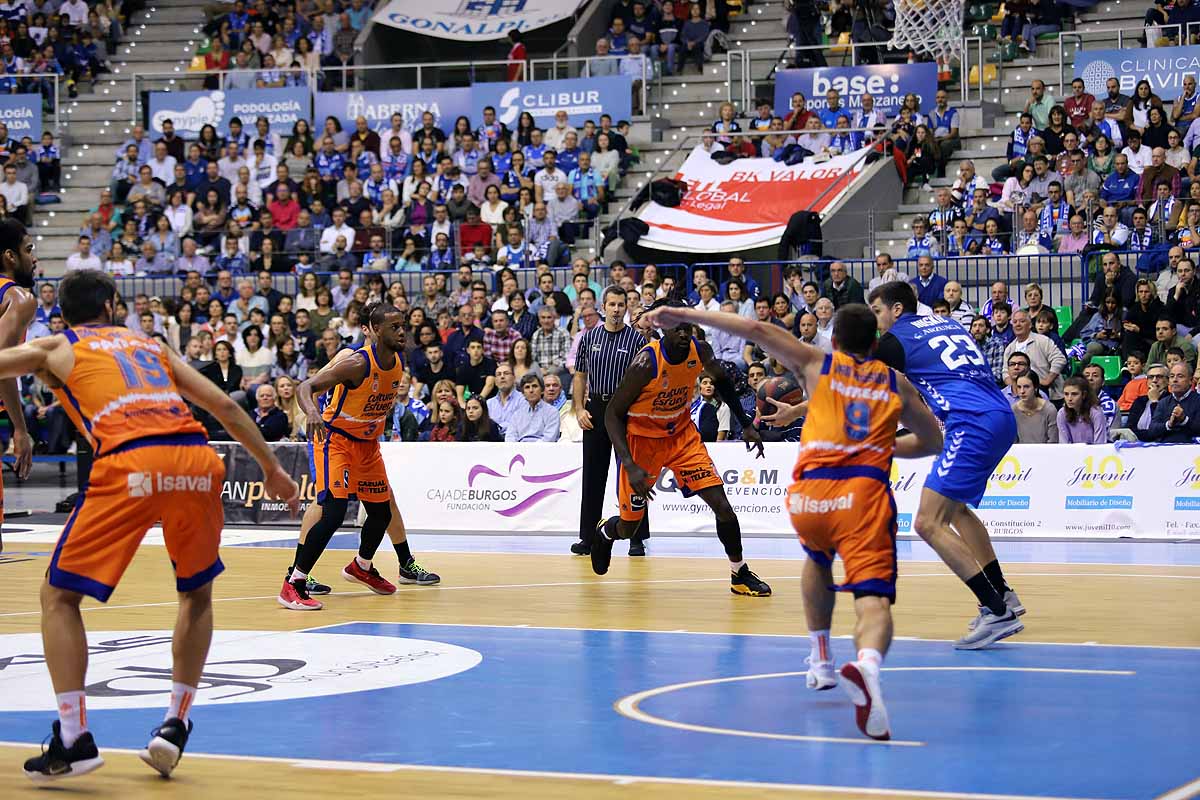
[
  {"x": 330, "y": 164},
  {"x": 921, "y": 243},
  {"x": 618, "y": 38},
  {"x": 1120, "y": 188},
  {"x": 979, "y": 212},
  {"x": 737, "y": 270},
  {"x": 1055, "y": 217},
  {"x": 534, "y": 420},
  {"x": 466, "y": 331},
  {"x": 943, "y": 122},
  {"x": 359, "y": 16},
  {"x": 929, "y": 285},
  {"x": 194, "y": 168},
  {"x": 441, "y": 257},
  {"x": 1030, "y": 234},
  {"x": 587, "y": 185},
  {"x": 829, "y": 115},
  {"x": 567, "y": 158}
]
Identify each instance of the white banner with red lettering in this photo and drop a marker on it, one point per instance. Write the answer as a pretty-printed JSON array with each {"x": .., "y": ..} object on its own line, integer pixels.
[{"x": 746, "y": 203}]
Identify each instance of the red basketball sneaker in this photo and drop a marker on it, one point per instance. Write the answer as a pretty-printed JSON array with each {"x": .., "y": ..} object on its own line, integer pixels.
[
  {"x": 368, "y": 578},
  {"x": 294, "y": 595}
]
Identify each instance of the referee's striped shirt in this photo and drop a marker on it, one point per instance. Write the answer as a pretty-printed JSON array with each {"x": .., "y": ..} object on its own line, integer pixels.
[{"x": 604, "y": 356}]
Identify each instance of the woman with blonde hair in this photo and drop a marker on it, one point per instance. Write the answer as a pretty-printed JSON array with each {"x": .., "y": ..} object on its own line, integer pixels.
[{"x": 285, "y": 399}]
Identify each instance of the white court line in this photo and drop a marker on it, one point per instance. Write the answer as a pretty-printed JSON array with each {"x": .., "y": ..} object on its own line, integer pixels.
[
  {"x": 628, "y": 706},
  {"x": 369, "y": 766},
  {"x": 1183, "y": 792},
  {"x": 599, "y": 583}
]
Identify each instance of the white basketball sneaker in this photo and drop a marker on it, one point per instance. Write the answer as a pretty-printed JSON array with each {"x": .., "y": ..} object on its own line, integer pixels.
[
  {"x": 861, "y": 682},
  {"x": 821, "y": 675},
  {"x": 1010, "y": 599},
  {"x": 989, "y": 630}
]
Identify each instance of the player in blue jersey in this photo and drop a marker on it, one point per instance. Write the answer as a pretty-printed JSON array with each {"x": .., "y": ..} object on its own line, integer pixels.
[{"x": 941, "y": 360}]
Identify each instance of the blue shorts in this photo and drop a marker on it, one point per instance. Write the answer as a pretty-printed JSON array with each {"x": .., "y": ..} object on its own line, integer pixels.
[{"x": 973, "y": 448}]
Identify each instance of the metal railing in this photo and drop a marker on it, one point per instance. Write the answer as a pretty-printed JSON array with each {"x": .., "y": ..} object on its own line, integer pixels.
[
  {"x": 39, "y": 77},
  {"x": 1064, "y": 279},
  {"x": 559, "y": 68},
  {"x": 423, "y": 75}
]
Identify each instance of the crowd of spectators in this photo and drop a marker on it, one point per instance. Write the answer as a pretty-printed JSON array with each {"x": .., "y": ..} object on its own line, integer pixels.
[
  {"x": 248, "y": 199},
  {"x": 271, "y": 45}
]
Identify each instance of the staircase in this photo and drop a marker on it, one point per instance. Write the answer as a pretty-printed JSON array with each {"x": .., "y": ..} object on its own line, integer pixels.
[{"x": 159, "y": 39}]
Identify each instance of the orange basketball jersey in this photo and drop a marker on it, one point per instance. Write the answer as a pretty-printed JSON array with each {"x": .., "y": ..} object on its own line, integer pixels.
[
  {"x": 661, "y": 410},
  {"x": 361, "y": 412},
  {"x": 122, "y": 390},
  {"x": 852, "y": 416}
]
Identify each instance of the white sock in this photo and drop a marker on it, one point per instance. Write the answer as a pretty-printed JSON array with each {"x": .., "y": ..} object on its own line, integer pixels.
[
  {"x": 820, "y": 646},
  {"x": 735, "y": 566},
  {"x": 869, "y": 655},
  {"x": 363, "y": 564},
  {"x": 72, "y": 716},
  {"x": 182, "y": 696},
  {"x": 297, "y": 575}
]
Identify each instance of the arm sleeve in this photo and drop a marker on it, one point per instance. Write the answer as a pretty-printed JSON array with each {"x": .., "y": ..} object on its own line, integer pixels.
[
  {"x": 890, "y": 352},
  {"x": 1099, "y": 426},
  {"x": 1064, "y": 433}
]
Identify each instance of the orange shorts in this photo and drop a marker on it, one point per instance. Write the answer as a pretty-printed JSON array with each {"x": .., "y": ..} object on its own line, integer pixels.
[
  {"x": 346, "y": 468},
  {"x": 683, "y": 453},
  {"x": 129, "y": 492},
  {"x": 854, "y": 518}
]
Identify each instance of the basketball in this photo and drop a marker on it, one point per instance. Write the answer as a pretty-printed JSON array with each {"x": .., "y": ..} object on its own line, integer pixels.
[{"x": 785, "y": 389}]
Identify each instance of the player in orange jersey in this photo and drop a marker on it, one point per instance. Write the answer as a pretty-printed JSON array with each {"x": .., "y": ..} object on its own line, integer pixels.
[
  {"x": 347, "y": 459},
  {"x": 650, "y": 426},
  {"x": 841, "y": 501},
  {"x": 17, "y": 307},
  {"x": 129, "y": 393},
  {"x": 410, "y": 572}
]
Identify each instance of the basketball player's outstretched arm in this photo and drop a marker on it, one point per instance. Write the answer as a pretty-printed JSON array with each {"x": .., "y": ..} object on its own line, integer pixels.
[
  {"x": 199, "y": 390},
  {"x": 351, "y": 370},
  {"x": 616, "y": 417},
  {"x": 729, "y": 396},
  {"x": 794, "y": 354},
  {"x": 925, "y": 435}
]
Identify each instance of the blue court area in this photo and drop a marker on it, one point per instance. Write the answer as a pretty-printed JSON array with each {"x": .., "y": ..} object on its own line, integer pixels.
[{"x": 1018, "y": 720}]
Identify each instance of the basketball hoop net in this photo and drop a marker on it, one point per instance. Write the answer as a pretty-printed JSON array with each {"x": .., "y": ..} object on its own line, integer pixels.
[{"x": 929, "y": 27}]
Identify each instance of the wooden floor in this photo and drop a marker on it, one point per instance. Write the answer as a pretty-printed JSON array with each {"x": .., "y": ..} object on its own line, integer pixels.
[{"x": 1106, "y": 604}]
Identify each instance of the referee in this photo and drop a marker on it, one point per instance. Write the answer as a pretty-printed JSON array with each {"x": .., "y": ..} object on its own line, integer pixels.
[{"x": 603, "y": 356}]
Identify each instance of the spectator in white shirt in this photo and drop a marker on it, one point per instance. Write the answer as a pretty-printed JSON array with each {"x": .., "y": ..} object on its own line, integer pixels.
[
  {"x": 338, "y": 228},
  {"x": 548, "y": 177},
  {"x": 553, "y": 138},
  {"x": 162, "y": 166},
  {"x": 83, "y": 257},
  {"x": 262, "y": 168},
  {"x": 231, "y": 163},
  {"x": 1137, "y": 153},
  {"x": 76, "y": 12},
  {"x": 16, "y": 194}
]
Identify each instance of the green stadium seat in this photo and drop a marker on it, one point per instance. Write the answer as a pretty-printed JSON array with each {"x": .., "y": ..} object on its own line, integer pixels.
[
  {"x": 1111, "y": 366},
  {"x": 1064, "y": 318}
]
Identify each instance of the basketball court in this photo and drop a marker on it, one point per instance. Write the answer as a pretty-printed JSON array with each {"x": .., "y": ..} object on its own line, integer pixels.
[{"x": 523, "y": 674}]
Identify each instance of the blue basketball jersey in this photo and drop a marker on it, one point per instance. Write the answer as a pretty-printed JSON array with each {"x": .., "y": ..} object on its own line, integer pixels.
[{"x": 944, "y": 364}]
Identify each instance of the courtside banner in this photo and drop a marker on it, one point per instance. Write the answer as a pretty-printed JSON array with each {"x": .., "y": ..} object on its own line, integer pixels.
[
  {"x": 377, "y": 107},
  {"x": 22, "y": 113},
  {"x": 243, "y": 494},
  {"x": 191, "y": 111},
  {"x": 887, "y": 83},
  {"x": 1163, "y": 67},
  {"x": 1081, "y": 491},
  {"x": 745, "y": 203},
  {"x": 473, "y": 20}
]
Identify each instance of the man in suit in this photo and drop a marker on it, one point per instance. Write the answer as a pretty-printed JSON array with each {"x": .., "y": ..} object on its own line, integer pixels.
[
  {"x": 1141, "y": 413},
  {"x": 1177, "y": 416}
]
